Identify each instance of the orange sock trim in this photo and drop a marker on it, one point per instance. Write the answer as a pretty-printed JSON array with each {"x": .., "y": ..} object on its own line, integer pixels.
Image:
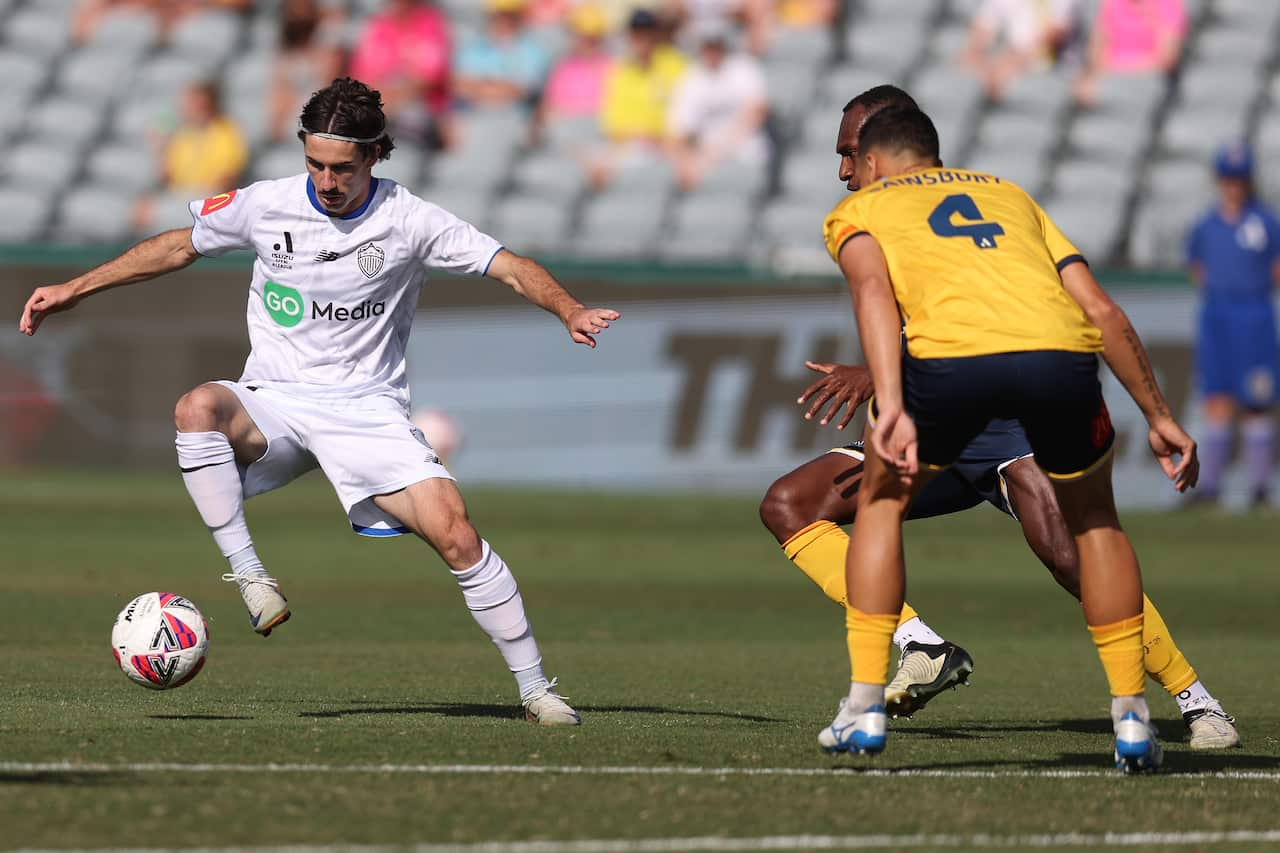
[
  {"x": 1162, "y": 658},
  {"x": 819, "y": 551},
  {"x": 908, "y": 613},
  {"x": 1120, "y": 649},
  {"x": 870, "y": 640}
]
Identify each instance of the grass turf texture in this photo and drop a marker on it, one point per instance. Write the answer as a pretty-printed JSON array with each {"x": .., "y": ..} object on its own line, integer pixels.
[{"x": 679, "y": 631}]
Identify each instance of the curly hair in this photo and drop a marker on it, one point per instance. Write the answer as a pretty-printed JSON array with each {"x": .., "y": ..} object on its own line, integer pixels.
[{"x": 348, "y": 107}]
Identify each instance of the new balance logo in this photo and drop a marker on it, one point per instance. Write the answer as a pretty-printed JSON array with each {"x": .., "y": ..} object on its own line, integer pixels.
[{"x": 326, "y": 256}]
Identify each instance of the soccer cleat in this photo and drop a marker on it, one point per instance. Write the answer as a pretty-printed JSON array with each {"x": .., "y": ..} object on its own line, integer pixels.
[
  {"x": 924, "y": 671},
  {"x": 548, "y": 708},
  {"x": 267, "y": 606},
  {"x": 1211, "y": 728},
  {"x": 861, "y": 734},
  {"x": 1138, "y": 749}
]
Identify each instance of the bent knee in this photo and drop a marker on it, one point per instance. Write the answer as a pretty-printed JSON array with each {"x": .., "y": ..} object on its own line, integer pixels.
[
  {"x": 459, "y": 544},
  {"x": 197, "y": 410},
  {"x": 786, "y": 508}
]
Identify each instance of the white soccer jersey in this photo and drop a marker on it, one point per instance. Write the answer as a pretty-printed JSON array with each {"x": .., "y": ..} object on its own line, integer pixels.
[{"x": 332, "y": 298}]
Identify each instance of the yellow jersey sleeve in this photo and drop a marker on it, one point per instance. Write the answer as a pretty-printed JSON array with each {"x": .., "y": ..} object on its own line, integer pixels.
[
  {"x": 1062, "y": 250},
  {"x": 844, "y": 221}
]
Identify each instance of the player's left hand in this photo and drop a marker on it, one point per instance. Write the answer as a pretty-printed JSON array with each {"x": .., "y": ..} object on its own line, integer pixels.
[
  {"x": 1168, "y": 439},
  {"x": 842, "y": 385},
  {"x": 895, "y": 441},
  {"x": 585, "y": 323}
]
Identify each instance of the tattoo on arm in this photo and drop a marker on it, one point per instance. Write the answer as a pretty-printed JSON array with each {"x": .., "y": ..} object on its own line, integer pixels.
[{"x": 1147, "y": 374}]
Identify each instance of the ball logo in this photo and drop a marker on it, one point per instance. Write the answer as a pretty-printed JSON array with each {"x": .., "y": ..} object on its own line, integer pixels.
[
  {"x": 370, "y": 258},
  {"x": 217, "y": 202},
  {"x": 284, "y": 304}
]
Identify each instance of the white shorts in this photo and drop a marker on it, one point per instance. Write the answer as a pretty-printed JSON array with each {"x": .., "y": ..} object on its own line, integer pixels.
[{"x": 365, "y": 447}]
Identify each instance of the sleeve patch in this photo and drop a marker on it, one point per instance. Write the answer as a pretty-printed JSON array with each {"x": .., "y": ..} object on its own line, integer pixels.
[{"x": 215, "y": 203}]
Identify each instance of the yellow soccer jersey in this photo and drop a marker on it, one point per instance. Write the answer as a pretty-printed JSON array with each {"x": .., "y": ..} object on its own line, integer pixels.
[{"x": 974, "y": 263}]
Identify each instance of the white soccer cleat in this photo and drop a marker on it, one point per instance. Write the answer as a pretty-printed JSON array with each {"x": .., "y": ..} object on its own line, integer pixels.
[
  {"x": 266, "y": 604},
  {"x": 1211, "y": 728},
  {"x": 548, "y": 708},
  {"x": 862, "y": 734},
  {"x": 1138, "y": 749},
  {"x": 924, "y": 671}
]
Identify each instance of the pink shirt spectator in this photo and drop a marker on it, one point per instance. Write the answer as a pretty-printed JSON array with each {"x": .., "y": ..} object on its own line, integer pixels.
[
  {"x": 1136, "y": 32},
  {"x": 576, "y": 85},
  {"x": 406, "y": 46}
]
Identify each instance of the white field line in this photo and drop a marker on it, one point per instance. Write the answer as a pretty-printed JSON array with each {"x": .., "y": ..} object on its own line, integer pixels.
[
  {"x": 576, "y": 770},
  {"x": 770, "y": 842}
]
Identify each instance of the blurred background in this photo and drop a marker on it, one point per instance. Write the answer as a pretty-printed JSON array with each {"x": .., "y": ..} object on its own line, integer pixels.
[{"x": 671, "y": 159}]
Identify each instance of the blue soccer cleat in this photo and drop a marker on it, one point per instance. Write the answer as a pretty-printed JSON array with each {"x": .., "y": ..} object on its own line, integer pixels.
[
  {"x": 860, "y": 733},
  {"x": 1137, "y": 748}
]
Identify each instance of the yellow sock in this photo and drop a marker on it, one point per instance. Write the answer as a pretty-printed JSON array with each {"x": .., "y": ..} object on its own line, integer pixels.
[
  {"x": 1161, "y": 656},
  {"x": 870, "y": 638},
  {"x": 819, "y": 551},
  {"x": 1120, "y": 648}
]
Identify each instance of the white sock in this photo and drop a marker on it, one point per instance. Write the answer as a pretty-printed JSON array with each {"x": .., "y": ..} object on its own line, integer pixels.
[
  {"x": 1194, "y": 698},
  {"x": 1121, "y": 705},
  {"x": 914, "y": 630},
  {"x": 862, "y": 696},
  {"x": 491, "y": 594},
  {"x": 209, "y": 471}
]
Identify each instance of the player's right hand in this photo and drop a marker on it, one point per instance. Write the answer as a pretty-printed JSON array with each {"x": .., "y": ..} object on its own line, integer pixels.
[
  {"x": 841, "y": 385},
  {"x": 895, "y": 441},
  {"x": 45, "y": 301},
  {"x": 1167, "y": 440}
]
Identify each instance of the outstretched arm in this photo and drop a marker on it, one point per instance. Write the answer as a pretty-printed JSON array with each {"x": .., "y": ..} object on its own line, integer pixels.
[
  {"x": 1127, "y": 358},
  {"x": 532, "y": 281},
  {"x": 153, "y": 257}
]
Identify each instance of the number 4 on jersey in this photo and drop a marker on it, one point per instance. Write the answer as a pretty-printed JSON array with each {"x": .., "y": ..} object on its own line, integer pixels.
[{"x": 983, "y": 234}]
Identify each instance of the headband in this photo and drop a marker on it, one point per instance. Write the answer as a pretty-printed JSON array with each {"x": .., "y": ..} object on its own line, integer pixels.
[{"x": 340, "y": 138}]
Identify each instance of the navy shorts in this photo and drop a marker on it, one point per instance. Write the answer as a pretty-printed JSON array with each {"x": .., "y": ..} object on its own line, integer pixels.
[
  {"x": 976, "y": 476},
  {"x": 1055, "y": 396}
]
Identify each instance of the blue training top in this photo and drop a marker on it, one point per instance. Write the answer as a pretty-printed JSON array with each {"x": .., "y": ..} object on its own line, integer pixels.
[{"x": 1237, "y": 257}]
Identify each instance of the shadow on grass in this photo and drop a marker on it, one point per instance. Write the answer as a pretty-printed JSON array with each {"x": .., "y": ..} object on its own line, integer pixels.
[
  {"x": 196, "y": 717},
  {"x": 506, "y": 712},
  {"x": 62, "y": 778}
]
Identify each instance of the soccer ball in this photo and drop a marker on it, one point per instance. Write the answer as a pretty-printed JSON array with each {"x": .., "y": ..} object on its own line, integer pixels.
[
  {"x": 442, "y": 432},
  {"x": 160, "y": 640}
]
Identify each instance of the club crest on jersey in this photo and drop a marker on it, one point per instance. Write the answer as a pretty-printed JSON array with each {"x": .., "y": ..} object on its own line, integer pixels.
[
  {"x": 213, "y": 204},
  {"x": 370, "y": 258}
]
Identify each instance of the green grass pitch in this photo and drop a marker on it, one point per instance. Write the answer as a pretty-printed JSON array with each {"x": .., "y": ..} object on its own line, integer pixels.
[{"x": 675, "y": 625}]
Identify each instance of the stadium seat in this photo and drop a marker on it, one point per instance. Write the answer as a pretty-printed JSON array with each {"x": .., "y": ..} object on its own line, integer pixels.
[
  {"x": 891, "y": 45},
  {"x": 26, "y": 215},
  {"x": 810, "y": 169},
  {"x": 42, "y": 165},
  {"x": 1268, "y": 138},
  {"x": 796, "y": 220},
  {"x": 843, "y": 82},
  {"x": 39, "y": 29},
  {"x": 1236, "y": 47},
  {"x": 169, "y": 210},
  {"x": 129, "y": 32},
  {"x": 1005, "y": 130},
  {"x": 95, "y": 214},
  {"x": 550, "y": 175},
  {"x": 1044, "y": 95},
  {"x": 278, "y": 161},
  {"x": 1022, "y": 166},
  {"x": 476, "y": 168},
  {"x": 1085, "y": 175},
  {"x": 1159, "y": 232},
  {"x": 141, "y": 115},
  {"x": 462, "y": 202},
  {"x": 618, "y": 224},
  {"x": 571, "y": 134},
  {"x": 736, "y": 184},
  {"x": 530, "y": 224},
  {"x": 167, "y": 74},
  {"x": 206, "y": 35},
  {"x": 1197, "y": 133},
  {"x": 705, "y": 228},
  {"x": 1133, "y": 96},
  {"x": 96, "y": 73},
  {"x": 943, "y": 90},
  {"x": 1108, "y": 137},
  {"x": 73, "y": 122},
  {"x": 1214, "y": 85},
  {"x": 947, "y": 44},
  {"x": 1247, "y": 13},
  {"x": 405, "y": 165},
  {"x": 798, "y": 46},
  {"x": 119, "y": 166},
  {"x": 1091, "y": 224},
  {"x": 23, "y": 75}
]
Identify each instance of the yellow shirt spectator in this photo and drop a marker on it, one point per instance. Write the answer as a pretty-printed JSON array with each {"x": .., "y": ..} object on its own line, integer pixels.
[
  {"x": 636, "y": 97},
  {"x": 205, "y": 159}
]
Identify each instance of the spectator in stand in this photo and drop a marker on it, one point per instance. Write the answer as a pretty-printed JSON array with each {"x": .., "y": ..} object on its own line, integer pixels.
[
  {"x": 1132, "y": 37},
  {"x": 309, "y": 57},
  {"x": 575, "y": 88},
  {"x": 637, "y": 97},
  {"x": 806, "y": 14},
  {"x": 754, "y": 16},
  {"x": 1234, "y": 255},
  {"x": 504, "y": 65},
  {"x": 719, "y": 109},
  {"x": 205, "y": 155},
  {"x": 1007, "y": 38},
  {"x": 405, "y": 52}
]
